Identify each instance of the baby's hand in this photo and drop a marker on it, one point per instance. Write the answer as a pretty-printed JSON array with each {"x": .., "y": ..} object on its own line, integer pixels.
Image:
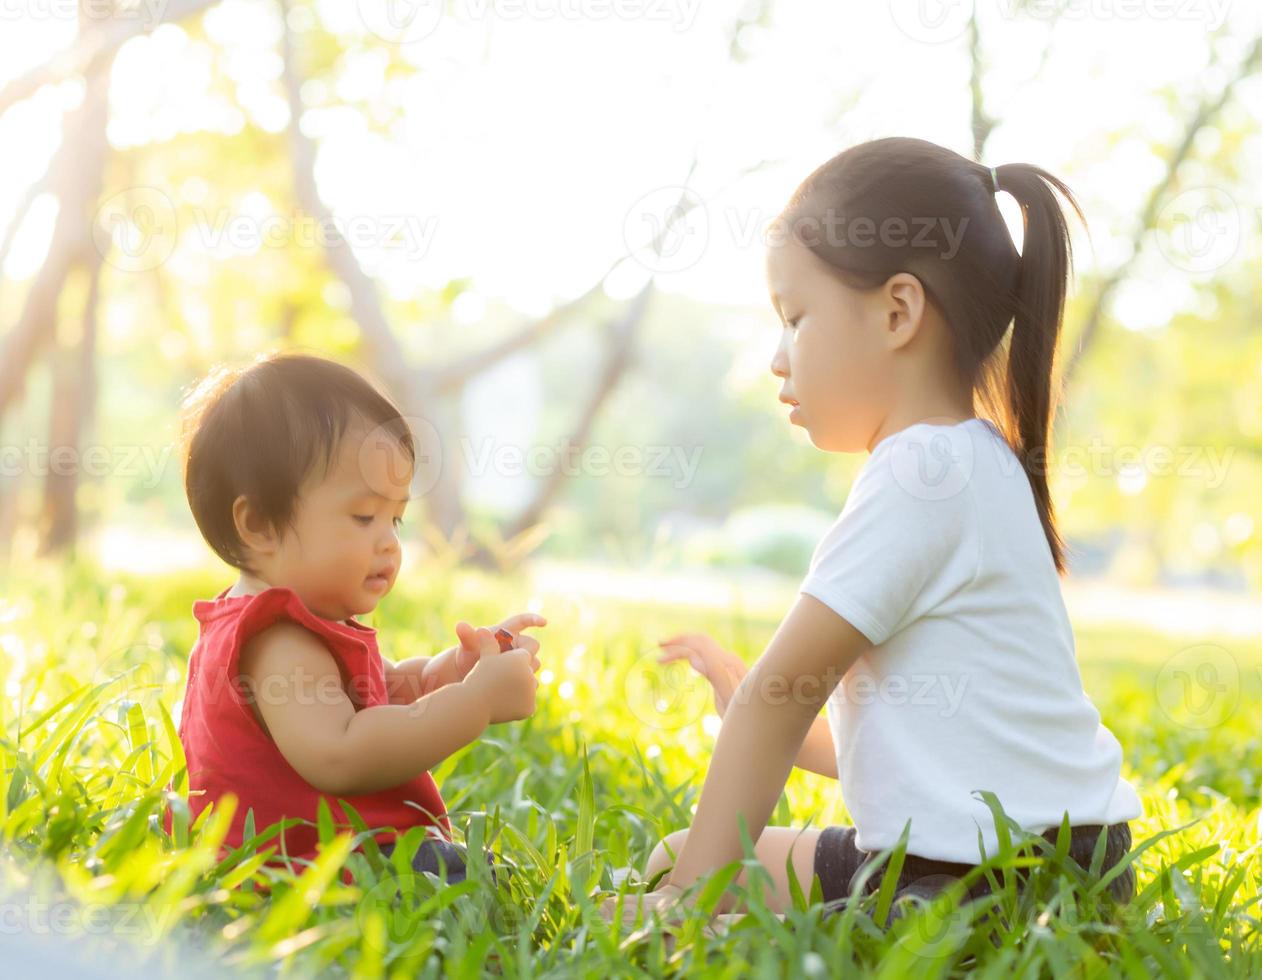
[
  {"x": 467, "y": 655},
  {"x": 722, "y": 668},
  {"x": 505, "y": 681}
]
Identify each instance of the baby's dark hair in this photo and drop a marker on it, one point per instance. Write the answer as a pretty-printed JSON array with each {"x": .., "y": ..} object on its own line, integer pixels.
[
  {"x": 262, "y": 429},
  {"x": 911, "y": 192}
]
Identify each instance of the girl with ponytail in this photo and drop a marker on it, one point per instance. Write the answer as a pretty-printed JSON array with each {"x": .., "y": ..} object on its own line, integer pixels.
[{"x": 930, "y": 626}]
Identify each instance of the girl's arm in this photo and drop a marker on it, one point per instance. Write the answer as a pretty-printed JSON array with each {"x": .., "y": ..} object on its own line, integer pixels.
[
  {"x": 724, "y": 670},
  {"x": 764, "y": 728},
  {"x": 817, "y": 752}
]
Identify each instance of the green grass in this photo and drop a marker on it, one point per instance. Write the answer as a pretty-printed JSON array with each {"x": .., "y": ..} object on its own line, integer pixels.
[{"x": 612, "y": 761}]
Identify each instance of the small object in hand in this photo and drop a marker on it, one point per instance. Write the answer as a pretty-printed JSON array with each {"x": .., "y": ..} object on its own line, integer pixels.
[{"x": 505, "y": 638}]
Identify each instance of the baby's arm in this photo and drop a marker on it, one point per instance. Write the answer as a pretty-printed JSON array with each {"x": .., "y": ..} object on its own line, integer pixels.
[
  {"x": 406, "y": 680},
  {"x": 338, "y": 750},
  {"x": 414, "y": 678}
]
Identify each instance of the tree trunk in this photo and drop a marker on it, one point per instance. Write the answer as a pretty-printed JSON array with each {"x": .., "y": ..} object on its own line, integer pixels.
[{"x": 73, "y": 408}]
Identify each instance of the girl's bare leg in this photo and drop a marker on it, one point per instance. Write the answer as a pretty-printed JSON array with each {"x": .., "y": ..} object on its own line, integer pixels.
[{"x": 772, "y": 850}]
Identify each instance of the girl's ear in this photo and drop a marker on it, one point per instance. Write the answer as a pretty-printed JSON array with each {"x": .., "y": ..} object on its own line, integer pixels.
[
  {"x": 255, "y": 533},
  {"x": 902, "y": 300}
]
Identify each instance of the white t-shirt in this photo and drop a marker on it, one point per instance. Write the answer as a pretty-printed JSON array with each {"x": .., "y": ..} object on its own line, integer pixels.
[{"x": 939, "y": 559}]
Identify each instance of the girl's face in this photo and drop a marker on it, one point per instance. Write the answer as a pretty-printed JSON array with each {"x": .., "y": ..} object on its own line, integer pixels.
[
  {"x": 834, "y": 350},
  {"x": 343, "y": 554}
]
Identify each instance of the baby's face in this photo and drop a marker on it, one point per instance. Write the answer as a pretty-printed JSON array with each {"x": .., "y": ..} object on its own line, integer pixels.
[{"x": 345, "y": 551}]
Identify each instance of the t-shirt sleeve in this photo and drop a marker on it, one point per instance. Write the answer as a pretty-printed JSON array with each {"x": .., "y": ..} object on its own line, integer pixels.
[{"x": 900, "y": 544}]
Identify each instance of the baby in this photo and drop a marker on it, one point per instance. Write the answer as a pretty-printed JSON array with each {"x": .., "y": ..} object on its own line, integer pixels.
[{"x": 298, "y": 472}]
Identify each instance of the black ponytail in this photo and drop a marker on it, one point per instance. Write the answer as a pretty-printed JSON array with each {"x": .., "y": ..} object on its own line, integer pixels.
[{"x": 1032, "y": 388}]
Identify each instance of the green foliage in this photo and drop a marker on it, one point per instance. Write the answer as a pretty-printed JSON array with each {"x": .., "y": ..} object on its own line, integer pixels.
[{"x": 611, "y": 762}]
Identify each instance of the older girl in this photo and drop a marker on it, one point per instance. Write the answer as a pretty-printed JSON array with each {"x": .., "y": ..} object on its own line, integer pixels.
[{"x": 930, "y": 624}]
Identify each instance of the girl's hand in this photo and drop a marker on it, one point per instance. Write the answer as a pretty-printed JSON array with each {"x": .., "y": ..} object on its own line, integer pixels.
[
  {"x": 666, "y": 902},
  {"x": 722, "y": 668},
  {"x": 468, "y": 652}
]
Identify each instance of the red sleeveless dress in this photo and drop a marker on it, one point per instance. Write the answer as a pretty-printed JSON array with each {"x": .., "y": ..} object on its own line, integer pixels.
[{"x": 227, "y": 749}]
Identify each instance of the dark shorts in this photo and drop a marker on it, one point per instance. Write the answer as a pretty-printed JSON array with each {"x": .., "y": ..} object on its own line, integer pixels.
[
  {"x": 433, "y": 855},
  {"x": 837, "y": 859}
]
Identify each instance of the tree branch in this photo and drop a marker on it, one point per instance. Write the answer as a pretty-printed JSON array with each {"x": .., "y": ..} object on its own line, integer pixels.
[
  {"x": 93, "y": 50},
  {"x": 449, "y": 378},
  {"x": 79, "y": 168},
  {"x": 442, "y": 502},
  {"x": 621, "y": 333},
  {"x": 1208, "y": 109},
  {"x": 365, "y": 303},
  {"x": 19, "y": 215},
  {"x": 982, "y": 123}
]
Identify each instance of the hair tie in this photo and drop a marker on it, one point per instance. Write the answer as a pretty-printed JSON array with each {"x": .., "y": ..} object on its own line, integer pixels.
[{"x": 994, "y": 181}]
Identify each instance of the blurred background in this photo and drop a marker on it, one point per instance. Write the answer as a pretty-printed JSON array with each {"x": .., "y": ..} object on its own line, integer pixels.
[{"x": 539, "y": 224}]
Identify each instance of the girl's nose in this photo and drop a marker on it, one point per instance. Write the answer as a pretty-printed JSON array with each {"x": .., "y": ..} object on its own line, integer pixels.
[{"x": 780, "y": 359}]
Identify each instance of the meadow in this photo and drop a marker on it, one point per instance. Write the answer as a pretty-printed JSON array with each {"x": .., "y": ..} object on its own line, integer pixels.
[{"x": 93, "y": 670}]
